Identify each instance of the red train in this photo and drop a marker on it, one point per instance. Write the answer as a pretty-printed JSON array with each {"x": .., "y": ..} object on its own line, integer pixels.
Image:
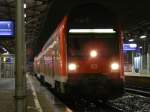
[{"x": 79, "y": 60}]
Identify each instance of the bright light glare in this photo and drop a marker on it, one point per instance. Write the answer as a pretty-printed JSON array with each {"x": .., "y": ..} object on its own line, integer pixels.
[
  {"x": 131, "y": 40},
  {"x": 72, "y": 66},
  {"x": 92, "y": 31},
  {"x": 93, "y": 53},
  {"x": 6, "y": 53},
  {"x": 133, "y": 45},
  {"x": 114, "y": 66},
  {"x": 4, "y": 59},
  {"x": 143, "y": 36},
  {"x": 25, "y": 15},
  {"x": 25, "y": 5},
  {"x": 4, "y": 49}
]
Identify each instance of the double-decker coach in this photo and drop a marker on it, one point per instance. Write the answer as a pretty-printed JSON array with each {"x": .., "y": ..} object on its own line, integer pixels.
[{"x": 84, "y": 56}]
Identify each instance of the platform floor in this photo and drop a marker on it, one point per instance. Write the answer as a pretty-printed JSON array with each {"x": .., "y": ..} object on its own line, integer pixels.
[
  {"x": 7, "y": 95},
  {"x": 136, "y": 74},
  {"x": 39, "y": 99},
  {"x": 7, "y": 101}
]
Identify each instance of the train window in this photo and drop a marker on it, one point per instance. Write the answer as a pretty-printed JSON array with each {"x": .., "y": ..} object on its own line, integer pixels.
[{"x": 79, "y": 44}]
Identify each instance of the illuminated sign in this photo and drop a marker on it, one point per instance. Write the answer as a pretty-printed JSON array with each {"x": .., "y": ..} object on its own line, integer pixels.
[
  {"x": 129, "y": 47},
  {"x": 92, "y": 31},
  {"x": 7, "y": 28}
]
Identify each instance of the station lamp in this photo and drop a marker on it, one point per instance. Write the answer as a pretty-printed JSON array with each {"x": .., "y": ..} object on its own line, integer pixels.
[
  {"x": 4, "y": 59},
  {"x": 4, "y": 49},
  {"x": 131, "y": 40},
  {"x": 143, "y": 36},
  {"x": 25, "y": 5},
  {"x": 25, "y": 15}
]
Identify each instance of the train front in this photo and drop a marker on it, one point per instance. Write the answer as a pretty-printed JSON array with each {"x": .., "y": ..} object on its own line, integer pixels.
[{"x": 94, "y": 59}]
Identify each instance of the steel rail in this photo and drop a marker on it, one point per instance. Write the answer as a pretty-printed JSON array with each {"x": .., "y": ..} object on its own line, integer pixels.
[{"x": 137, "y": 91}]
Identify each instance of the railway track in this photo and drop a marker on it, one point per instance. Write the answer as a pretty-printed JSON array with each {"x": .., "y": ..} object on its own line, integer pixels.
[
  {"x": 84, "y": 105},
  {"x": 129, "y": 102},
  {"x": 94, "y": 106},
  {"x": 138, "y": 91}
]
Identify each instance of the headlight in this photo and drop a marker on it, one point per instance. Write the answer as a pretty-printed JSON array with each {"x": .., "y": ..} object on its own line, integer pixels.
[
  {"x": 114, "y": 66},
  {"x": 93, "y": 53},
  {"x": 72, "y": 66}
]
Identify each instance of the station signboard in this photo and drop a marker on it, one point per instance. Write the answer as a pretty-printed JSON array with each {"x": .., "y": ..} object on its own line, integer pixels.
[
  {"x": 6, "y": 29},
  {"x": 130, "y": 47}
]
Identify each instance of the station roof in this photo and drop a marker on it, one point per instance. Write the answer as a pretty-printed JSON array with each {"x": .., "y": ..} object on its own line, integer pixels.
[{"x": 42, "y": 16}]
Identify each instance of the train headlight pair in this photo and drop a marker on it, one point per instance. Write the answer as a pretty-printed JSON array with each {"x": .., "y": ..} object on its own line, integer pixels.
[
  {"x": 72, "y": 66},
  {"x": 115, "y": 66}
]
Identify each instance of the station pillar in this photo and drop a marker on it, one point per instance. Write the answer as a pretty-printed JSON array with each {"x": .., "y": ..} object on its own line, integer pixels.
[
  {"x": 0, "y": 67},
  {"x": 148, "y": 60},
  {"x": 133, "y": 62},
  {"x": 141, "y": 63},
  {"x": 20, "y": 79}
]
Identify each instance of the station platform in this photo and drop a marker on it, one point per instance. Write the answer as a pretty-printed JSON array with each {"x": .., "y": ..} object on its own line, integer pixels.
[
  {"x": 136, "y": 74},
  {"x": 7, "y": 103},
  {"x": 38, "y": 98}
]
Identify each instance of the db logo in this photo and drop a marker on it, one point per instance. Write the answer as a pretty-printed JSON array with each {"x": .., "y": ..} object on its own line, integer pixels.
[{"x": 94, "y": 66}]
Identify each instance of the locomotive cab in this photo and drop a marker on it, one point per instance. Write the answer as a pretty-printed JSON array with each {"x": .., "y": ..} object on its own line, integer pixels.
[
  {"x": 94, "y": 62},
  {"x": 94, "y": 54}
]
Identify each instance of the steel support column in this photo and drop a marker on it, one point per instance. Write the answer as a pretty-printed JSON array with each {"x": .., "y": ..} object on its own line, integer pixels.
[
  {"x": 20, "y": 82},
  {"x": 133, "y": 61},
  {"x": 148, "y": 60}
]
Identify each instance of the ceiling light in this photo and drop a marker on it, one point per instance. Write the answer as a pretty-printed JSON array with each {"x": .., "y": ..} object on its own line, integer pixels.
[
  {"x": 4, "y": 49},
  {"x": 92, "y": 31},
  {"x": 131, "y": 40},
  {"x": 25, "y": 15},
  {"x": 25, "y": 5},
  {"x": 143, "y": 36},
  {"x": 4, "y": 59}
]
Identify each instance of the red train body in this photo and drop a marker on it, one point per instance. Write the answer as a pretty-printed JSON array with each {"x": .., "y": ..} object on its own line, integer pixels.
[{"x": 84, "y": 62}]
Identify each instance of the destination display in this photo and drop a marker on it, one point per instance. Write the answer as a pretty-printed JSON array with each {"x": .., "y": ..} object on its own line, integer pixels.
[
  {"x": 6, "y": 28},
  {"x": 129, "y": 47}
]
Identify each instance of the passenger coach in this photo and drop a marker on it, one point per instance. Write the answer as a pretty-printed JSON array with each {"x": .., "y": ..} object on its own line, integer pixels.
[{"x": 84, "y": 56}]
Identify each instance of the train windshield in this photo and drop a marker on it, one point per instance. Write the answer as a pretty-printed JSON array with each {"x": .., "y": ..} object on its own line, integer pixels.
[{"x": 81, "y": 44}]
